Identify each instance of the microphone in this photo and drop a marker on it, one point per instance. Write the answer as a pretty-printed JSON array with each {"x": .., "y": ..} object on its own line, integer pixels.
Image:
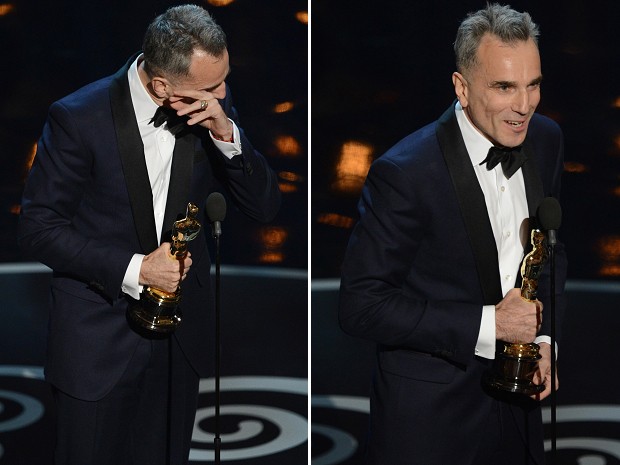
[
  {"x": 550, "y": 217},
  {"x": 216, "y": 211}
]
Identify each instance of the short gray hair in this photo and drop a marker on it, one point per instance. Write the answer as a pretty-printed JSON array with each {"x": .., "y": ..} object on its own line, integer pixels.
[
  {"x": 508, "y": 25},
  {"x": 170, "y": 40}
]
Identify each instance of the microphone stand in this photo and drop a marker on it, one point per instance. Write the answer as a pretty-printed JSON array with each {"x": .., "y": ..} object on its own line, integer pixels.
[
  {"x": 217, "y": 440},
  {"x": 216, "y": 211},
  {"x": 552, "y": 242}
]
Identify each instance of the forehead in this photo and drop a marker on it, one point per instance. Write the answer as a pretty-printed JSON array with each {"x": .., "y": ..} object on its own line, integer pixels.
[{"x": 518, "y": 60}]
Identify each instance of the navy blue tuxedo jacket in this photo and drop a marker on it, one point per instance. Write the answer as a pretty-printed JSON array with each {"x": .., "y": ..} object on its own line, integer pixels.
[
  {"x": 420, "y": 265},
  {"x": 87, "y": 209}
]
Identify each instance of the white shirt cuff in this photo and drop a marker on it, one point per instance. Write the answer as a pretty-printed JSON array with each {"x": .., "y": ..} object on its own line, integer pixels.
[
  {"x": 485, "y": 346},
  {"x": 229, "y": 149},
  {"x": 547, "y": 339},
  {"x": 131, "y": 280}
]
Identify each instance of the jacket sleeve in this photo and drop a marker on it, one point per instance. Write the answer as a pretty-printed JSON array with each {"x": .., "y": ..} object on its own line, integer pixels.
[
  {"x": 378, "y": 301},
  {"x": 54, "y": 191}
]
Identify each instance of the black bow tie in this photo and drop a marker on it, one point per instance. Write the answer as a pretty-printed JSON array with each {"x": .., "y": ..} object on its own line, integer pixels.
[
  {"x": 176, "y": 123},
  {"x": 511, "y": 159}
]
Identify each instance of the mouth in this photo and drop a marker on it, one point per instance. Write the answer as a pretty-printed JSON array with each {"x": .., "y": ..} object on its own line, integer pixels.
[{"x": 515, "y": 124}]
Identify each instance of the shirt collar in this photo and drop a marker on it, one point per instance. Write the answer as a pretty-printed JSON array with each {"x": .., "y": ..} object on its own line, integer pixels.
[
  {"x": 476, "y": 144},
  {"x": 143, "y": 105}
]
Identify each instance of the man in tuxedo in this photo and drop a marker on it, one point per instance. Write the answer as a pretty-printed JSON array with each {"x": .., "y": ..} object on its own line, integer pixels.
[
  {"x": 108, "y": 182},
  {"x": 432, "y": 268}
]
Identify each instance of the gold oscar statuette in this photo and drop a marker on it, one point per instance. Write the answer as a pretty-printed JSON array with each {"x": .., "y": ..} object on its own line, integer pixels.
[
  {"x": 516, "y": 364},
  {"x": 157, "y": 310}
]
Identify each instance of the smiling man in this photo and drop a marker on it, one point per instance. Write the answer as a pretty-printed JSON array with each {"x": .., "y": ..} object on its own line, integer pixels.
[
  {"x": 431, "y": 273},
  {"x": 117, "y": 164},
  {"x": 500, "y": 89}
]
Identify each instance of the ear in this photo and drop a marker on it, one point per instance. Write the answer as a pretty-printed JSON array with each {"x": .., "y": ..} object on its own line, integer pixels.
[
  {"x": 161, "y": 87},
  {"x": 460, "y": 88}
]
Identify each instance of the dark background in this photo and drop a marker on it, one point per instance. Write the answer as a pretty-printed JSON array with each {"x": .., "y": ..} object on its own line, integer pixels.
[
  {"x": 382, "y": 70},
  {"x": 50, "y": 49},
  {"x": 379, "y": 72}
]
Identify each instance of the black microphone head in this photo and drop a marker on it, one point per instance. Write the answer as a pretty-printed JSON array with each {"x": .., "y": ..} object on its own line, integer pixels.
[
  {"x": 216, "y": 207},
  {"x": 549, "y": 214}
]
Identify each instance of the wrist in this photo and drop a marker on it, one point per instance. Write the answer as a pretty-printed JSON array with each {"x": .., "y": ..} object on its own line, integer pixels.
[
  {"x": 227, "y": 136},
  {"x": 223, "y": 138}
]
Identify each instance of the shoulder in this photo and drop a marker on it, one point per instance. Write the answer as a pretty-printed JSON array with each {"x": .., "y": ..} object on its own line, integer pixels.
[
  {"x": 545, "y": 137},
  {"x": 411, "y": 161},
  {"x": 543, "y": 126},
  {"x": 418, "y": 147},
  {"x": 96, "y": 95},
  {"x": 91, "y": 96}
]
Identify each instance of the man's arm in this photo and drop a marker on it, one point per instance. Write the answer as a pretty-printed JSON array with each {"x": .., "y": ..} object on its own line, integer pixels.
[{"x": 375, "y": 302}]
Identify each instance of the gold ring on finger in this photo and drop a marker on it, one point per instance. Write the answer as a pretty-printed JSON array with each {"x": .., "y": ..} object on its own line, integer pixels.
[{"x": 203, "y": 104}]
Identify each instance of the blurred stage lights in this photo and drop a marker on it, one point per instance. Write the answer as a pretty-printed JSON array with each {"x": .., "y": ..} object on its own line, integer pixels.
[
  {"x": 289, "y": 179},
  {"x": 287, "y": 187},
  {"x": 272, "y": 239},
  {"x": 283, "y": 107},
  {"x": 302, "y": 17},
  {"x": 6, "y": 8},
  {"x": 575, "y": 167},
  {"x": 608, "y": 249},
  {"x": 352, "y": 167},
  {"x": 336, "y": 220},
  {"x": 290, "y": 176},
  {"x": 287, "y": 146},
  {"x": 30, "y": 158},
  {"x": 220, "y": 2}
]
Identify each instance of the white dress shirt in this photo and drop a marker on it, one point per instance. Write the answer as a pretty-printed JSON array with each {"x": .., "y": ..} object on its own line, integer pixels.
[
  {"x": 508, "y": 212},
  {"x": 158, "y": 150}
]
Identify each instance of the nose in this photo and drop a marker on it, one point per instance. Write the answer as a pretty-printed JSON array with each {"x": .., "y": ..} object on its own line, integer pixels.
[{"x": 521, "y": 102}]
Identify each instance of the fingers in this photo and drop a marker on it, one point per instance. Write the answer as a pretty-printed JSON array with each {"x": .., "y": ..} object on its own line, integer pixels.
[
  {"x": 203, "y": 108},
  {"x": 160, "y": 271},
  {"x": 517, "y": 320},
  {"x": 543, "y": 373},
  {"x": 184, "y": 266},
  {"x": 196, "y": 104},
  {"x": 189, "y": 94},
  {"x": 544, "y": 394},
  {"x": 199, "y": 108},
  {"x": 537, "y": 379}
]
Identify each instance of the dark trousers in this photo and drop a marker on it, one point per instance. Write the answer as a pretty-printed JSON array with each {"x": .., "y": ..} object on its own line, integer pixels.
[
  {"x": 504, "y": 442},
  {"x": 147, "y": 418}
]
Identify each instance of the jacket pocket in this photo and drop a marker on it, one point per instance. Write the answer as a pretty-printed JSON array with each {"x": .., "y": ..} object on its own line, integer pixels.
[
  {"x": 78, "y": 289},
  {"x": 416, "y": 365}
]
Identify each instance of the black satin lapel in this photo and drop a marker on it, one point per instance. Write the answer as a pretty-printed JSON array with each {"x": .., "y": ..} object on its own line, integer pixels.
[
  {"x": 132, "y": 158},
  {"x": 533, "y": 183},
  {"x": 180, "y": 179},
  {"x": 472, "y": 205}
]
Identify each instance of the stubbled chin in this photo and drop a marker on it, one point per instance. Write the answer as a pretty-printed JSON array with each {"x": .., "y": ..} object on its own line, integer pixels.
[
  {"x": 512, "y": 139},
  {"x": 515, "y": 140}
]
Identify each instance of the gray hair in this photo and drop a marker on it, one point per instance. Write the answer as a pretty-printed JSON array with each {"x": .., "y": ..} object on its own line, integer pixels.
[
  {"x": 170, "y": 40},
  {"x": 508, "y": 25}
]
